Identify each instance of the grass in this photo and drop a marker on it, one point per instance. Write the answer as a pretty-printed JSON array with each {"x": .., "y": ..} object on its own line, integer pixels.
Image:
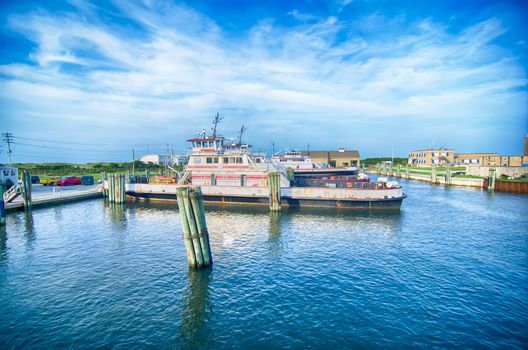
[{"x": 519, "y": 179}]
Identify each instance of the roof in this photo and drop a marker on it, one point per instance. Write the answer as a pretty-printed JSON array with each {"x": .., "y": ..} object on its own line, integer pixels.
[
  {"x": 475, "y": 154},
  {"x": 331, "y": 154}
]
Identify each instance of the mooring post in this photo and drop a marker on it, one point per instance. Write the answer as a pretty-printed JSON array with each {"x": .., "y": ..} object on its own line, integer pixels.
[
  {"x": 433, "y": 174},
  {"x": 407, "y": 170},
  {"x": 398, "y": 171},
  {"x": 274, "y": 191},
  {"x": 191, "y": 257},
  {"x": 196, "y": 198},
  {"x": 26, "y": 184},
  {"x": 2, "y": 205},
  {"x": 491, "y": 179},
  {"x": 187, "y": 206},
  {"x": 448, "y": 174},
  {"x": 111, "y": 188}
]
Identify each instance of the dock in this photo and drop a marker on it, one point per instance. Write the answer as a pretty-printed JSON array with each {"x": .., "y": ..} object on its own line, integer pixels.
[{"x": 51, "y": 195}]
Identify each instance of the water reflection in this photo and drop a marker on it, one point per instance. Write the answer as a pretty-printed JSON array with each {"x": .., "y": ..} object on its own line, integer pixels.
[
  {"x": 3, "y": 243},
  {"x": 117, "y": 214},
  {"x": 274, "y": 237},
  {"x": 29, "y": 226},
  {"x": 197, "y": 310}
]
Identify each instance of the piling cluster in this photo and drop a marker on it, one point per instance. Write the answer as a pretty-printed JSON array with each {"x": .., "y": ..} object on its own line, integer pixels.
[
  {"x": 196, "y": 237},
  {"x": 116, "y": 188},
  {"x": 26, "y": 189},
  {"x": 274, "y": 191}
]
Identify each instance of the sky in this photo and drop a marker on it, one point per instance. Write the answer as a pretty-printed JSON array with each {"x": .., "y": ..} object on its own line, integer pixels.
[{"x": 84, "y": 81}]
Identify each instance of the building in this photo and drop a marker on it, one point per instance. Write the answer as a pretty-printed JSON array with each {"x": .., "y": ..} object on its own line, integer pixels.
[
  {"x": 513, "y": 161},
  {"x": 429, "y": 157},
  {"x": 334, "y": 159},
  {"x": 478, "y": 159},
  {"x": 164, "y": 159}
]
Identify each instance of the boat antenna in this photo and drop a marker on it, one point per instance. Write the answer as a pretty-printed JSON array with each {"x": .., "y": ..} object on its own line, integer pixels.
[
  {"x": 216, "y": 120},
  {"x": 242, "y": 130}
]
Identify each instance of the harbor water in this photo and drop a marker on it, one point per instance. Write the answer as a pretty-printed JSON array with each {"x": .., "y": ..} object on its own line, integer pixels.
[{"x": 449, "y": 270}]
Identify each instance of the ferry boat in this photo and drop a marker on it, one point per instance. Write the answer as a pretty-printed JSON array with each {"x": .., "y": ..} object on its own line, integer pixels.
[
  {"x": 303, "y": 165},
  {"x": 233, "y": 173}
]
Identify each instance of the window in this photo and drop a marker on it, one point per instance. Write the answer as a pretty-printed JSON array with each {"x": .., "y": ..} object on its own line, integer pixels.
[
  {"x": 197, "y": 160},
  {"x": 433, "y": 154},
  {"x": 447, "y": 154},
  {"x": 209, "y": 160}
]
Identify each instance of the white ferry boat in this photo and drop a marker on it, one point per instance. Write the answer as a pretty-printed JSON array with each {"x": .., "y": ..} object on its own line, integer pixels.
[
  {"x": 233, "y": 173},
  {"x": 304, "y": 166}
]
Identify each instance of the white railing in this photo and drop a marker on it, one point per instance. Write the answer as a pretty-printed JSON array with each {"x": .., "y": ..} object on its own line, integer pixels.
[{"x": 11, "y": 194}]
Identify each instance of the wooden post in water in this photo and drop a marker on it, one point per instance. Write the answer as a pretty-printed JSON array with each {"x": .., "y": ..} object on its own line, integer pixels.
[
  {"x": 191, "y": 257},
  {"x": 190, "y": 202},
  {"x": 433, "y": 174},
  {"x": 398, "y": 171},
  {"x": 194, "y": 230},
  {"x": 448, "y": 174},
  {"x": 2, "y": 205},
  {"x": 26, "y": 189},
  {"x": 274, "y": 191},
  {"x": 407, "y": 170},
  {"x": 105, "y": 190},
  {"x": 111, "y": 188},
  {"x": 196, "y": 198},
  {"x": 491, "y": 179}
]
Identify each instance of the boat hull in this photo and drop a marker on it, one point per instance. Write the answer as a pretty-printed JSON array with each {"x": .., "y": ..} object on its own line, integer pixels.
[{"x": 354, "y": 204}]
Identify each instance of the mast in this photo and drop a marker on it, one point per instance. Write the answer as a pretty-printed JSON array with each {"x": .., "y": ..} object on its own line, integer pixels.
[
  {"x": 242, "y": 129},
  {"x": 216, "y": 120}
]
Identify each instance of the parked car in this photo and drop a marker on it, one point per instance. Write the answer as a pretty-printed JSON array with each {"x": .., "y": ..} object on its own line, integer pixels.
[
  {"x": 87, "y": 180},
  {"x": 35, "y": 179},
  {"x": 51, "y": 181},
  {"x": 69, "y": 180}
]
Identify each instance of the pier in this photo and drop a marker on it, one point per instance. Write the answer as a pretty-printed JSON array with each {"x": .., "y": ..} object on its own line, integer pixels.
[{"x": 51, "y": 195}]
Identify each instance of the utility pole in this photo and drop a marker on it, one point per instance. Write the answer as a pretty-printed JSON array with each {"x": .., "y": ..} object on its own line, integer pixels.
[
  {"x": 272, "y": 148},
  {"x": 133, "y": 163},
  {"x": 308, "y": 149},
  {"x": 8, "y": 138}
]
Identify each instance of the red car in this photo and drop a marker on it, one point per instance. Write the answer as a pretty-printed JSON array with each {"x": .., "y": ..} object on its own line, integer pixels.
[{"x": 70, "y": 180}]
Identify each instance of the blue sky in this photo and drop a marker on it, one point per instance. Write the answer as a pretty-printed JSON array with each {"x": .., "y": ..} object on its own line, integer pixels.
[{"x": 81, "y": 82}]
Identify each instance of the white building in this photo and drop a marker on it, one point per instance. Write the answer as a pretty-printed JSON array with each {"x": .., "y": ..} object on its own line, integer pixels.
[{"x": 164, "y": 159}]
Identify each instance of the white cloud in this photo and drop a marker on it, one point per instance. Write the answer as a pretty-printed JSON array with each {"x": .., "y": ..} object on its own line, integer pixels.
[{"x": 182, "y": 67}]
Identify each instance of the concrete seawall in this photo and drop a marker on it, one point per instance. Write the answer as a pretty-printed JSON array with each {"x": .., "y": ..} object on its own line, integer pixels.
[{"x": 440, "y": 179}]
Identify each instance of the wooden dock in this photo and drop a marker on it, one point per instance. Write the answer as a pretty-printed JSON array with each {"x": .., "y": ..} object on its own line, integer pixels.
[{"x": 48, "y": 198}]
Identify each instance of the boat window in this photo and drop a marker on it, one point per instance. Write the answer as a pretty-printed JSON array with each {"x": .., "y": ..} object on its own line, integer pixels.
[
  {"x": 238, "y": 160},
  {"x": 197, "y": 160},
  {"x": 258, "y": 160}
]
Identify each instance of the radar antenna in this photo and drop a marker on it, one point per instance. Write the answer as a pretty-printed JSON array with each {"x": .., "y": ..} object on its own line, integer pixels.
[
  {"x": 241, "y": 132},
  {"x": 216, "y": 120}
]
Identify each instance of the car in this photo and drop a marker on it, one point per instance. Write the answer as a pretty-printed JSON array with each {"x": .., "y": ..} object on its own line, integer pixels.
[
  {"x": 51, "y": 181},
  {"x": 69, "y": 180},
  {"x": 87, "y": 180},
  {"x": 35, "y": 179}
]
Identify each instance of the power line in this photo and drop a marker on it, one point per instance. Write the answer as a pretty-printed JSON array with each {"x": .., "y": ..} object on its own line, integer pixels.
[
  {"x": 8, "y": 138},
  {"x": 81, "y": 143}
]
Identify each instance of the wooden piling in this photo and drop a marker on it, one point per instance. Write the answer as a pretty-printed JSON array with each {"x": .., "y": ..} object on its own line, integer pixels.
[
  {"x": 191, "y": 257},
  {"x": 199, "y": 213},
  {"x": 433, "y": 174},
  {"x": 26, "y": 189},
  {"x": 491, "y": 179},
  {"x": 448, "y": 174},
  {"x": 407, "y": 170},
  {"x": 194, "y": 230},
  {"x": 274, "y": 191},
  {"x": 111, "y": 188},
  {"x": 2, "y": 205}
]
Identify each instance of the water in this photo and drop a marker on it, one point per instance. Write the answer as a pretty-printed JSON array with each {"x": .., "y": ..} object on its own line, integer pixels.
[{"x": 450, "y": 270}]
